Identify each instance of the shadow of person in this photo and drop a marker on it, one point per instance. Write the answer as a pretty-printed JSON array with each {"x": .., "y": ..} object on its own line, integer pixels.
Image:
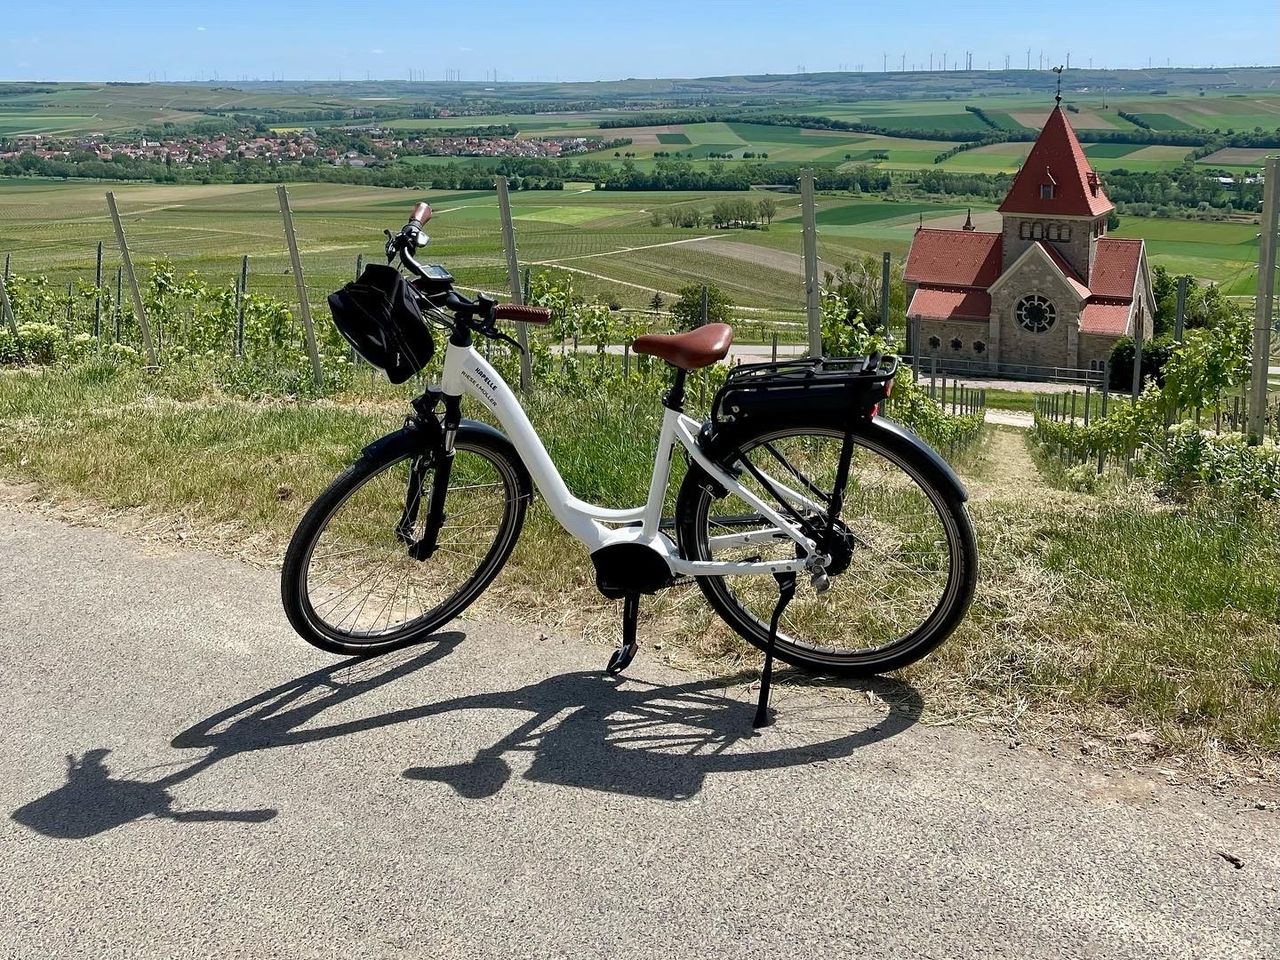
[
  {"x": 652, "y": 741},
  {"x": 93, "y": 801}
]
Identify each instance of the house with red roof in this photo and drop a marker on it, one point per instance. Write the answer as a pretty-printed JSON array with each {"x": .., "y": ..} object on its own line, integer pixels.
[{"x": 1048, "y": 293}]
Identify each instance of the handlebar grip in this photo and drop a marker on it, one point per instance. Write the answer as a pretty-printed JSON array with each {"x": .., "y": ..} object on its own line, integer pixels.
[
  {"x": 514, "y": 311},
  {"x": 421, "y": 213}
]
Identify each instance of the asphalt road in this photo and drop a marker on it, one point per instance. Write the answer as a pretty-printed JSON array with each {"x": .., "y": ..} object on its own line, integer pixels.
[{"x": 184, "y": 778}]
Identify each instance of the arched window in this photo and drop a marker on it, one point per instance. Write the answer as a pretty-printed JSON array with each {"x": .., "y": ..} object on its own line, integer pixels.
[
  {"x": 935, "y": 343},
  {"x": 956, "y": 343},
  {"x": 1052, "y": 231},
  {"x": 1037, "y": 231},
  {"x": 979, "y": 347},
  {"x": 1064, "y": 232}
]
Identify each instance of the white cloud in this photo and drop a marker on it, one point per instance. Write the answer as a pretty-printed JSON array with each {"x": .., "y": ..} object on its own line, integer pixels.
[
  {"x": 199, "y": 29},
  {"x": 376, "y": 51}
]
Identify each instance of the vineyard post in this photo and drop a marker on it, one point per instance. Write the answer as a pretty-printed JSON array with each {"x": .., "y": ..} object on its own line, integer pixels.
[
  {"x": 303, "y": 303},
  {"x": 1179, "y": 318},
  {"x": 119, "y": 311},
  {"x": 7, "y": 308},
  {"x": 139, "y": 308},
  {"x": 1137, "y": 356},
  {"x": 809, "y": 237},
  {"x": 884, "y": 295},
  {"x": 1266, "y": 292},
  {"x": 242, "y": 291},
  {"x": 97, "y": 295},
  {"x": 513, "y": 276}
]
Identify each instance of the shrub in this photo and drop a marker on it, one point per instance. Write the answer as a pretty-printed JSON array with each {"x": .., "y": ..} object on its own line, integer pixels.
[{"x": 1155, "y": 354}]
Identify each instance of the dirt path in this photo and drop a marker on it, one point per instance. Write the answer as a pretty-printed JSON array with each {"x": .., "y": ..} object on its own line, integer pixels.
[{"x": 1005, "y": 470}]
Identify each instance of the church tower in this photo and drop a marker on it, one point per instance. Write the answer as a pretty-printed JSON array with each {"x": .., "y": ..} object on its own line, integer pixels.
[{"x": 1057, "y": 199}]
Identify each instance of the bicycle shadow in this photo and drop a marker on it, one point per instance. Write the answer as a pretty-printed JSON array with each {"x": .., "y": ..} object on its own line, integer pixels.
[
  {"x": 93, "y": 801},
  {"x": 656, "y": 742},
  {"x": 584, "y": 729}
]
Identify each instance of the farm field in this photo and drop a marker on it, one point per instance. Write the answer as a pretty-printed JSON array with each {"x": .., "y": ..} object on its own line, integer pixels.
[
  {"x": 605, "y": 239},
  {"x": 76, "y": 109},
  {"x": 1226, "y": 253}
]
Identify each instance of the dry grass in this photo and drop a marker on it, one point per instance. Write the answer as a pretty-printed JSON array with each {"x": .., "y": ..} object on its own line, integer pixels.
[{"x": 1127, "y": 627}]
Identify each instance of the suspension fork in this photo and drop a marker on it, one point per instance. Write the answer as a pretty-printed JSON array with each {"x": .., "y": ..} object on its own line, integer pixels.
[{"x": 441, "y": 460}]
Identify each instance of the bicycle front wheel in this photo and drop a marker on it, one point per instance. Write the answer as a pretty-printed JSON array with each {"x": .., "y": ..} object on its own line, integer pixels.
[
  {"x": 351, "y": 581},
  {"x": 904, "y": 559}
]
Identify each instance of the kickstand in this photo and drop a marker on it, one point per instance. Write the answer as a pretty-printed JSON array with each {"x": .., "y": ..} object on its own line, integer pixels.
[
  {"x": 786, "y": 590},
  {"x": 627, "y": 652}
]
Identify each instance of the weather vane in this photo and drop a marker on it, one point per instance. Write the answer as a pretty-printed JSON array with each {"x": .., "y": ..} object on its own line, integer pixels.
[{"x": 1058, "y": 97}]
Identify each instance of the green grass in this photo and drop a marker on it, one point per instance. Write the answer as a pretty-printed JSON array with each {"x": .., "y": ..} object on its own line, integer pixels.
[{"x": 668, "y": 138}]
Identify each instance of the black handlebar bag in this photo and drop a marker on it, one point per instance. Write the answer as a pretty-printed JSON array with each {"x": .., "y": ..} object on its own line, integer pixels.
[{"x": 379, "y": 316}]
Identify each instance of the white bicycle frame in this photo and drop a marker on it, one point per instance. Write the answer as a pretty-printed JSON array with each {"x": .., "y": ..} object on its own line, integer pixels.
[{"x": 467, "y": 372}]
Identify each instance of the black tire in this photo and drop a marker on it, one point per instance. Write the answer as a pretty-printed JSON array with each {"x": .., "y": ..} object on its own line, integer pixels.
[
  {"x": 387, "y": 464},
  {"x": 745, "y": 603}
]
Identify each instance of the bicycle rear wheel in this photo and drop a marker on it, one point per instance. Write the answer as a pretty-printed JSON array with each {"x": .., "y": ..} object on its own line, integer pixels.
[
  {"x": 350, "y": 582},
  {"x": 904, "y": 559}
]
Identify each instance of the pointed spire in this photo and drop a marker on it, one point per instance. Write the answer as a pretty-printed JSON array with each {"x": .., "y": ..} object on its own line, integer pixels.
[
  {"x": 1056, "y": 178},
  {"x": 968, "y": 220},
  {"x": 1058, "y": 97}
]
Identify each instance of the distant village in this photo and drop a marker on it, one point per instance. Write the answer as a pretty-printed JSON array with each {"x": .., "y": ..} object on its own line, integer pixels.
[{"x": 364, "y": 148}]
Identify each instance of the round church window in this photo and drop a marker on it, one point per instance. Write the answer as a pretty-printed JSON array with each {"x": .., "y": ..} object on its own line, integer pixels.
[{"x": 1035, "y": 313}]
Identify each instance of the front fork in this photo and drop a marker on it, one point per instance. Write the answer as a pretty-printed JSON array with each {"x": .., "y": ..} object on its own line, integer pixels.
[{"x": 439, "y": 460}]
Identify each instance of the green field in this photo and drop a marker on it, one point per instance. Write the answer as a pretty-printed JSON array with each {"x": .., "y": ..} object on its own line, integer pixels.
[
  {"x": 606, "y": 238},
  {"x": 1226, "y": 253}
]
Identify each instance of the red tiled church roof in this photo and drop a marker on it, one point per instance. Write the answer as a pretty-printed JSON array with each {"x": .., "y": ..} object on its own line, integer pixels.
[
  {"x": 1115, "y": 267},
  {"x": 954, "y": 258},
  {"x": 1110, "y": 318},
  {"x": 932, "y": 303},
  {"x": 1057, "y": 158}
]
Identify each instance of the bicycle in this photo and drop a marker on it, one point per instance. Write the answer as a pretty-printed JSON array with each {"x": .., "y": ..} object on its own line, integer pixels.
[{"x": 795, "y": 475}]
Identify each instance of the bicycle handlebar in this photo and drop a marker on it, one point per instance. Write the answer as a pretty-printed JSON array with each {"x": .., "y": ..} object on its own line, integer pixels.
[
  {"x": 421, "y": 214},
  {"x": 522, "y": 314}
]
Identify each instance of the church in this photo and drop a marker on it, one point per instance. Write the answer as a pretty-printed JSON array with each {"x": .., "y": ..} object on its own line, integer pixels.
[{"x": 1047, "y": 294}]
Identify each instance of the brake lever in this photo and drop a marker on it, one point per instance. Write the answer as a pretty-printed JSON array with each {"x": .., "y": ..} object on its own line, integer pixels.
[{"x": 494, "y": 333}]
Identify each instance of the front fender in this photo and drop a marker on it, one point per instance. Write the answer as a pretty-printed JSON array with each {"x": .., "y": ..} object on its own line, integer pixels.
[{"x": 427, "y": 434}]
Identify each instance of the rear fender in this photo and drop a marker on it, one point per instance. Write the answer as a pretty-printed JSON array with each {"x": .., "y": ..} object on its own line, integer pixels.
[{"x": 896, "y": 438}]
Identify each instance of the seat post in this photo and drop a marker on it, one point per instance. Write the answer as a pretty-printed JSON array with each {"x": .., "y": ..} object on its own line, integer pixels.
[{"x": 673, "y": 399}]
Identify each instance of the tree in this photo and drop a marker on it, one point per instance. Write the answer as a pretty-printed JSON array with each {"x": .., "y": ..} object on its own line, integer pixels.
[
  {"x": 687, "y": 311},
  {"x": 656, "y": 218},
  {"x": 768, "y": 208},
  {"x": 657, "y": 303}
]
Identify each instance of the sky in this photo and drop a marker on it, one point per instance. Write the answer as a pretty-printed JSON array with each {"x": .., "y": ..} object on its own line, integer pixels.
[{"x": 606, "y": 40}]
